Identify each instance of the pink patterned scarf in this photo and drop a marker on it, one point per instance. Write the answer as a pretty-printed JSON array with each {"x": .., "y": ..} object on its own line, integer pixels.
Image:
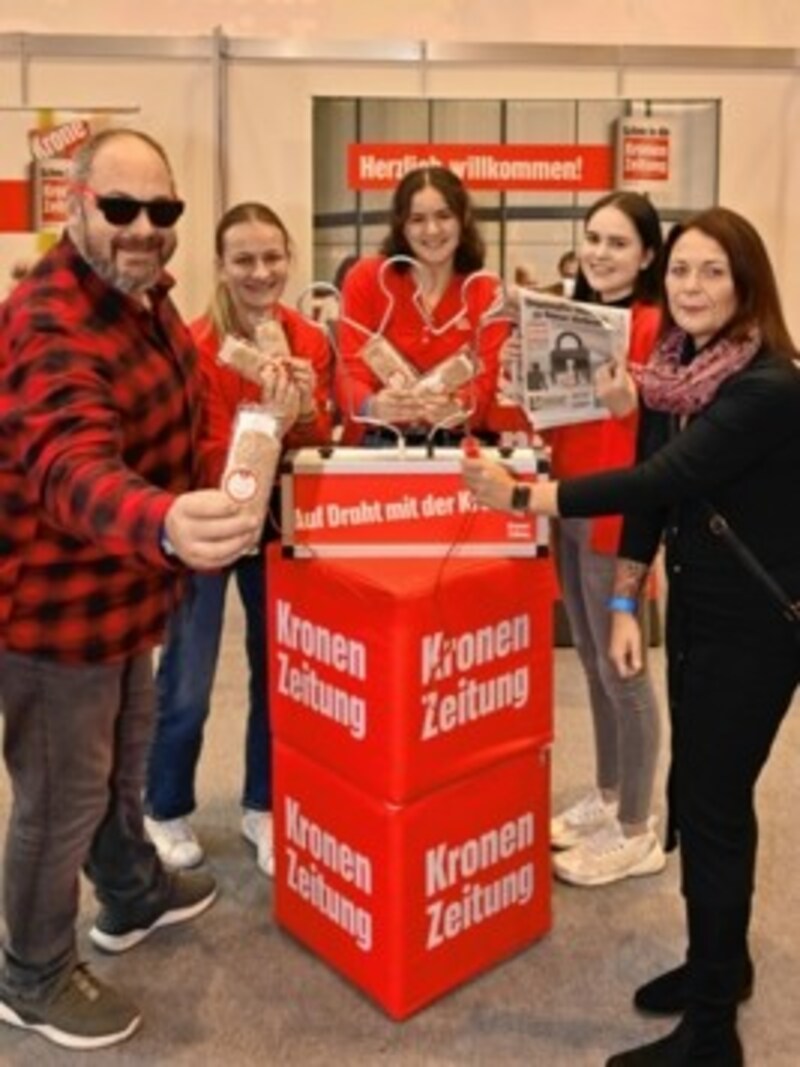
[{"x": 666, "y": 384}]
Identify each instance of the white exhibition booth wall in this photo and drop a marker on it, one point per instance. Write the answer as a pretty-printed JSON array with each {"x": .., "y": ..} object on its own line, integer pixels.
[{"x": 248, "y": 102}]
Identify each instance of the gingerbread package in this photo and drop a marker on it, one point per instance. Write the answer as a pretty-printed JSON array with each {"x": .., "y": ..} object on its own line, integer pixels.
[
  {"x": 448, "y": 376},
  {"x": 252, "y": 460},
  {"x": 386, "y": 363},
  {"x": 271, "y": 339},
  {"x": 243, "y": 357},
  {"x": 255, "y": 361},
  {"x": 249, "y": 358}
]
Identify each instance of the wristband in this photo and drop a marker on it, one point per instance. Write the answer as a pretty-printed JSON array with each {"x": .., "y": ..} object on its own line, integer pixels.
[
  {"x": 521, "y": 497},
  {"x": 627, "y": 604}
]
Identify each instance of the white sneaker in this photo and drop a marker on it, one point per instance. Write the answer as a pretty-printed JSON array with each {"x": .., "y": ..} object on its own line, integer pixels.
[
  {"x": 175, "y": 842},
  {"x": 257, "y": 828},
  {"x": 581, "y": 820},
  {"x": 609, "y": 856}
]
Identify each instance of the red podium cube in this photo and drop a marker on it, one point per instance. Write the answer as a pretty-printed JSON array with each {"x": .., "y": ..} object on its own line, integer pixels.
[
  {"x": 409, "y": 901},
  {"x": 404, "y": 674}
]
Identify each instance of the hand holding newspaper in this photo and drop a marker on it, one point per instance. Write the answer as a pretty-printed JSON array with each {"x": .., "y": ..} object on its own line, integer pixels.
[
  {"x": 564, "y": 343},
  {"x": 616, "y": 389}
]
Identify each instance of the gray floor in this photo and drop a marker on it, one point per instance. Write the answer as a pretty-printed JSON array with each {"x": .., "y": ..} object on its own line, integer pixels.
[{"x": 233, "y": 989}]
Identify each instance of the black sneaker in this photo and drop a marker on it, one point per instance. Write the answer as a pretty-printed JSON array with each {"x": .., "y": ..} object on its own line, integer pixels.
[
  {"x": 82, "y": 1013},
  {"x": 188, "y": 894}
]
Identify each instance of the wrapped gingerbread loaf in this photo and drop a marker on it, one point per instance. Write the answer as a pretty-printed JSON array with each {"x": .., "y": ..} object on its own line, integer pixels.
[
  {"x": 252, "y": 459},
  {"x": 249, "y": 358},
  {"x": 449, "y": 375},
  {"x": 271, "y": 339},
  {"x": 386, "y": 363},
  {"x": 243, "y": 357}
]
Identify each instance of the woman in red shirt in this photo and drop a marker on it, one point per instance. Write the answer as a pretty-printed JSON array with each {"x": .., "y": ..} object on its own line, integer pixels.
[
  {"x": 426, "y": 314},
  {"x": 253, "y": 259},
  {"x": 608, "y": 834}
]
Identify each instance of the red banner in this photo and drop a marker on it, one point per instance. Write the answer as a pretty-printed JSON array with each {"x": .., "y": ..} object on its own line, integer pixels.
[
  {"x": 546, "y": 168},
  {"x": 372, "y": 502}
]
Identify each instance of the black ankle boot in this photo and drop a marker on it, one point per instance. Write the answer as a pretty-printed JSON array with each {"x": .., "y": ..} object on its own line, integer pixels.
[
  {"x": 668, "y": 994},
  {"x": 688, "y": 1045}
]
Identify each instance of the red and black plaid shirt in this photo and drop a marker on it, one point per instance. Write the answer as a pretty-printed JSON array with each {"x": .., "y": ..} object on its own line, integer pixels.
[{"x": 99, "y": 409}]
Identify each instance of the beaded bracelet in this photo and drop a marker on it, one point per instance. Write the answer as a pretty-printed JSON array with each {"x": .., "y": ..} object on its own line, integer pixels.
[{"x": 628, "y": 604}]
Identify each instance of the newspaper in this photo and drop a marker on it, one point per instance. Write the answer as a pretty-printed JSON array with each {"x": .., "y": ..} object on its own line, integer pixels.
[{"x": 563, "y": 342}]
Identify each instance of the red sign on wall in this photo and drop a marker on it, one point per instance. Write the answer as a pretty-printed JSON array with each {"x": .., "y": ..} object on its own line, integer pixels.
[
  {"x": 36, "y": 149},
  {"x": 645, "y": 159},
  {"x": 546, "y": 168}
]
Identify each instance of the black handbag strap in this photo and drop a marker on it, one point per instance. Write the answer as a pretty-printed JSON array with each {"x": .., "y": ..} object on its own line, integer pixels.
[{"x": 720, "y": 527}]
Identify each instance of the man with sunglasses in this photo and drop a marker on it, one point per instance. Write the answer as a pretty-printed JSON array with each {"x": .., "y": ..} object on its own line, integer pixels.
[{"x": 98, "y": 419}]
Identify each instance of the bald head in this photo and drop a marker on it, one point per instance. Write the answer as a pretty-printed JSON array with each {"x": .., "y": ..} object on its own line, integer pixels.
[{"x": 84, "y": 158}]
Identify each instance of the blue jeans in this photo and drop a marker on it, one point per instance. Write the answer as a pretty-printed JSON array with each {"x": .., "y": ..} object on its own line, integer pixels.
[
  {"x": 184, "y": 682},
  {"x": 76, "y": 740}
]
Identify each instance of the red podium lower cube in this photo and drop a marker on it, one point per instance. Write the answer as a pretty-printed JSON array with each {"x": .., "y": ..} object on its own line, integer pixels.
[
  {"x": 404, "y": 674},
  {"x": 407, "y": 901}
]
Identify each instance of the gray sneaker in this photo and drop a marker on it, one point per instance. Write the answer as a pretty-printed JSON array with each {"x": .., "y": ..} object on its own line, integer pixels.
[
  {"x": 188, "y": 894},
  {"x": 82, "y": 1013}
]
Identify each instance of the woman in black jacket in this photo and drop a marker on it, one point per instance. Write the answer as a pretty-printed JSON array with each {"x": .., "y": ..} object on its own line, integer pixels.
[{"x": 720, "y": 432}]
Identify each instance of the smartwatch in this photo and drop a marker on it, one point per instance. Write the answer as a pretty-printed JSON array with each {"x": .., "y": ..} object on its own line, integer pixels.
[{"x": 521, "y": 497}]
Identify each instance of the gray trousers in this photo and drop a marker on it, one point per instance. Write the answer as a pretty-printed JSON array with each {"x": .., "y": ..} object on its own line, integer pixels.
[
  {"x": 76, "y": 740},
  {"x": 625, "y": 713}
]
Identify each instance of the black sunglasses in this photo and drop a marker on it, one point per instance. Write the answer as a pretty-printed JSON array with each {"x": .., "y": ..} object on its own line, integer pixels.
[{"x": 122, "y": 210}]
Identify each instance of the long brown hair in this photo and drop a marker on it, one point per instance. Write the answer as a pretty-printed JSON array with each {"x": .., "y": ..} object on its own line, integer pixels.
[
  {"x": 471, "y": 250},
  {"x": 644, "y": 218},
  {"x": 221, "y": 310},
  {"x": 758, "y": 302}
]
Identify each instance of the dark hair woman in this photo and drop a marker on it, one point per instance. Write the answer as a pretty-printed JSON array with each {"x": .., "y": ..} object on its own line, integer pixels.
[
  {"x": 608, "y": 833},
  {"x": 720, "y": 434},
  {"x": 470, "y": 251},
  {"x": 420, "y": 312}
]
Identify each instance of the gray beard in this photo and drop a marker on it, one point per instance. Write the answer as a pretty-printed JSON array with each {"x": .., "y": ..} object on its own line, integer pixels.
[
  {"x": 107, "y": 271},
  {"x": 105, "y": 267}
]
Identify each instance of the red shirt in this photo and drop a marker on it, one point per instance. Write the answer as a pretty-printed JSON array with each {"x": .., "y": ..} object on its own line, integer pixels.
[
  {"x": 99, "y": 407},
  {"x": 454, "y": 323},
  {"x": 225, "y": 389},
  {"x": 589, "y": 447}
]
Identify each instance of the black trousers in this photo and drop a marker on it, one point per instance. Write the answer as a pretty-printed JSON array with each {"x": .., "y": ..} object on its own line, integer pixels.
[{"x": 729, "y": 689}]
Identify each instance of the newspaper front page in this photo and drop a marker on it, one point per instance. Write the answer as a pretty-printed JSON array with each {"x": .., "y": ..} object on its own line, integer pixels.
[{"x": 563, "y": 343}]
